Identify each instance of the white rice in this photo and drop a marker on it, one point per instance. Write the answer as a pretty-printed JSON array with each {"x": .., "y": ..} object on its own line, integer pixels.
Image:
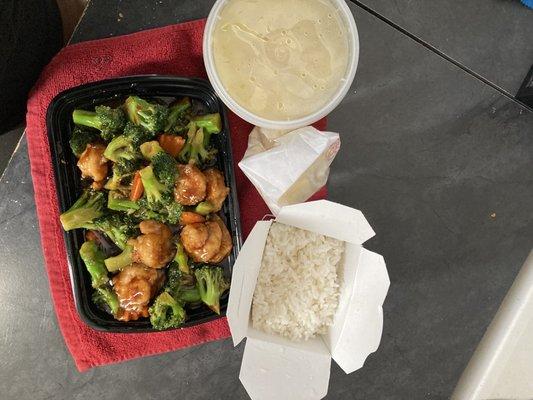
[{"x": 297, "y": 290}]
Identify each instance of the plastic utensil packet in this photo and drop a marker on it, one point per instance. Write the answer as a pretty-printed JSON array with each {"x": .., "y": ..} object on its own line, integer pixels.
[{"x": 288, "y": 167}]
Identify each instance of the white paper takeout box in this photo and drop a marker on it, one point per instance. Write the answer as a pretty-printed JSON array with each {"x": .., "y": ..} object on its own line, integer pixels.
[{"x": 276, "y": 368}]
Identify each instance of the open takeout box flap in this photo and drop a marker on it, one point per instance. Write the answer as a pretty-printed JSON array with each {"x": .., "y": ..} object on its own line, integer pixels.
[
  {"x": 358, "y": 324},
  {"x": 329, "y": 219},
  {"x": 274, "y": 368},
  {"x": 243, "y": 280}
]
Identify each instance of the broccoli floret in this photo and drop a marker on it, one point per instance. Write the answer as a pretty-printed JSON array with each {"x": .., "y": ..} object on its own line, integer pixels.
[
  {"x": 145, "y": 213},
  {"x": 137, "y": 134},
  {"x": 204, "y": 208},
  {"x": 177, "y": 119},
  {"x": 170, "y": 210},
  {"x": 197, "y": 149},
  {"x": 117, "y": 202},
  {"x": 109, "y": 121},
  {"x": 84, "y": 211},
  {"x": 210, "y": 122},
  {"x": 166, "y": 312},
  {"x": 117, "y": 227},
  {"x": 181, "y": 286},
  {"x": 106, "y": 299},
  {"x": 211, "y": 285},
  {"x": 120, "y": 261},
  {"x": 123, "y": 171},
  {"x": 173, "y": 278},
  {"x": 159, "y": 203},
  {"x": 93, "y": 257},
  {"x": 81, "y": 137},
  {"x": 165, "y": 167},
  {"x": 88, "y": 212},
  {"x": 178, "y": 291},
  {"x": 127, "y": 167},
  {"x": 120, "y": 147},
  {"x": 151, "y": 116},
  {"x": 126, "y": 146},
  {"x": 189, "y": 294},
  {"x": 181, "y": 259},
  {"x": 153, "y": 189},
  {"x": 166, "y": 210}
]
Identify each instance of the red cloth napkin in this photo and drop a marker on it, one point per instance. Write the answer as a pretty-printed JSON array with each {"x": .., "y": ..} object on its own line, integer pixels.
[{"x": 177, "y": 51}]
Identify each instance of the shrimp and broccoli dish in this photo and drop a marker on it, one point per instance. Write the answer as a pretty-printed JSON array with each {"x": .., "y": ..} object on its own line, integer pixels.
[{"x": 149, "y": 208}]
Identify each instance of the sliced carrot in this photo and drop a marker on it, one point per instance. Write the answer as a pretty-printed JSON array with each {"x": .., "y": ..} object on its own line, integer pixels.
[
  {"x": 172, "y": 144},
  {"x": 90, "y": 236},
  {"x": 189, "y": 217},
  {"x": 137, "y": 187}
]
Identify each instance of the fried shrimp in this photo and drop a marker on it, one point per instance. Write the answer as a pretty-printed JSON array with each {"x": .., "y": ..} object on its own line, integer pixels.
[
  {"x": 216, "y": 190},
  {"x": 92, "y": 162},
  {"x": 154, "y": 247},
  {"x": 225, "y": 245},
  {"x": 191, "y": 185},
  {"x": 135, "y": 286},
  {"x": 202, "y": 241}
]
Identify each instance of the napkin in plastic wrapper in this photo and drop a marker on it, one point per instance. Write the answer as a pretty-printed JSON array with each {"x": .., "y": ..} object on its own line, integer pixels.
[{"x": 288, "y": 167}]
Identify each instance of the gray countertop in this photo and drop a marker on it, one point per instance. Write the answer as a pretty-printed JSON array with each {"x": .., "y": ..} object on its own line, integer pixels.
[
  {"x": 440, "y": 164},
  {"x": 492, "y": 38}
]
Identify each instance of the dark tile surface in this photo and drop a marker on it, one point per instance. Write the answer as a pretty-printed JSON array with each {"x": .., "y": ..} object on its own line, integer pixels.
[
  {"x": 105, "y": 18},
  {"x": 439, "y": 163},
  {"x": 491, "y": 37},
  {"x": 8, "y": 143}
]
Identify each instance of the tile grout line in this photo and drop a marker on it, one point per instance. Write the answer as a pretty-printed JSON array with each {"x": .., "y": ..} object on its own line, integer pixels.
[
  {"x": 79, "y": 21},
  {"x": 440, "y": 53},
  {"x": 22, "y": 137}
]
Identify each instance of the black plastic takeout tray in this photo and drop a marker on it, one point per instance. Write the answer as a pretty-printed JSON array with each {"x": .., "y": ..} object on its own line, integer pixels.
[{"x": 67, "y": 176}]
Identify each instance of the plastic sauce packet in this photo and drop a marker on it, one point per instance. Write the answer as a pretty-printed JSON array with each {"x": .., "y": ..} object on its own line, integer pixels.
[{"x": 288, "y": 167}]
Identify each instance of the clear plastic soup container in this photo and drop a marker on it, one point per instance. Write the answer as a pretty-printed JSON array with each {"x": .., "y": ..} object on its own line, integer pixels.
[{"x": 353, "y": 58}]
